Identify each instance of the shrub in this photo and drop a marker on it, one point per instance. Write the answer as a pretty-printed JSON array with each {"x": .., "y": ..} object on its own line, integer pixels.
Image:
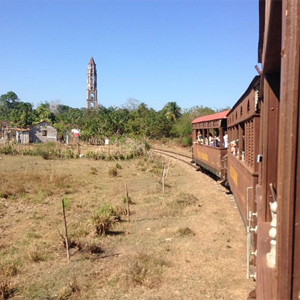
[
  {"x": 90, "y": 154},
  {"x": 8, "y": 149},
  {"x": 187, "y": 141},
  {"x": 6, "y": 290},
  {"x": 69, "y": 154},
  {"x": 93, "y": 171},
  {"x": 185, "y": 231},
  {"x": 145, "y": 270},
  {"x": 147, "y": 146},
  {"x": 67, "y": 203},
  {"x": 104, "y": 219},
  {"x": 118, "y": 166},
  {"x": 124, "y": 200},
  {"x": 36, "y": 256},
  {"x": 113, "y": 172}
]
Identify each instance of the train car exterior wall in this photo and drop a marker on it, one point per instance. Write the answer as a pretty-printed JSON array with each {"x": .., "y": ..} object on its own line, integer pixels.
[
  {"x": 243, "y": 131},
  {"x": 209, "y": 152}
]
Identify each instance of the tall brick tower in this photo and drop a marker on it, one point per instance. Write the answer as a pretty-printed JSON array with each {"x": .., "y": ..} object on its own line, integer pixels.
[{"x": 92, "y": 102}]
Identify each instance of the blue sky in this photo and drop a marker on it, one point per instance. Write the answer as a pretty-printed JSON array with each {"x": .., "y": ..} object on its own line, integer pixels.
[{"x": 194, "y": 52}]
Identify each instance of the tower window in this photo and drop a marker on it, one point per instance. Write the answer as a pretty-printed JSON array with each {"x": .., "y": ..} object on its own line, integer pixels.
[{"x": 44, "y": 132}]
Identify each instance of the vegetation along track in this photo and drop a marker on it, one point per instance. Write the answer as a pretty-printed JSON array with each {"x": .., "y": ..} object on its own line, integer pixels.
[{"x": 181, "y": 157}]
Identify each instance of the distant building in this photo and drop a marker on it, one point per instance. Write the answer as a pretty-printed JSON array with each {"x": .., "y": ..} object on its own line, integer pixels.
[
  {"x": 8, "y": 133},
  {"x": 92, "y": 102},
  {"x": 5, "y": 130},
  {"x": 43, "y": 132},
  {"x": 22, "y": 135},
  {"x": 72, "y": 137}
]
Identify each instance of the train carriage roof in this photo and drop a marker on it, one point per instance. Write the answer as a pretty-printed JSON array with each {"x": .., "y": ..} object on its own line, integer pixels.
[
  {"x": 254, "y": 82},
  {"x": 218, "y": 116}
]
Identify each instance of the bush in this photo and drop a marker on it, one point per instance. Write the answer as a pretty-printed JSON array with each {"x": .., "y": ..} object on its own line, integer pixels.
[
  {"x": 185, "y": 231},
  {"x": 147, "y": 146},
  {"x": 145, "y": 270},
  {"x": 118, "y": 166},
  {"x": 113, "y": 172},
  {"x": 69, "y": 154},
  {"x": 104, "y": 219},
  {"x": 93, "y": 171},
  {"x": 187, "y": 141}
]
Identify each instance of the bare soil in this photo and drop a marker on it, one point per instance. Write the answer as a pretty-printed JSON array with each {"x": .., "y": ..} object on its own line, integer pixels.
[{"x": 188, "y": 243}]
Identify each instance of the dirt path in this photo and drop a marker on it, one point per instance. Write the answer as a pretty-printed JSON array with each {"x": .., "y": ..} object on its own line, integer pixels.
[{"x": 188, "y": 243}]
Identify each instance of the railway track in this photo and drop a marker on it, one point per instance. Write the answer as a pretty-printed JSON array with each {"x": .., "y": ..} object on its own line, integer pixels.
[{"x": 181, "y": 157}]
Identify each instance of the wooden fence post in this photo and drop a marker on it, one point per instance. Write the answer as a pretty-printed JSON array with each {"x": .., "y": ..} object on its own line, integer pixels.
[
  {"x": 127, "y": 201},
  {"x": 66, "y": 231},
  {"x": 163, "y": 179}
]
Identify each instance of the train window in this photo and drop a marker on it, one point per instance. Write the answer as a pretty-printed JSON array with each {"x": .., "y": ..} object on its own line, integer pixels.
[
  {"x": 249, "y": 143},
  {"x": 242, "y": 141}
]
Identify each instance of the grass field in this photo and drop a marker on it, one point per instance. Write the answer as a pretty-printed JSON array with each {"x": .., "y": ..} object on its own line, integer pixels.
[{"x": 188, "y": 243}]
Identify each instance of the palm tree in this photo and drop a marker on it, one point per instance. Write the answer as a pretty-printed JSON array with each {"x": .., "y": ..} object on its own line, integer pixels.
[{"x": 172, "y": 111}]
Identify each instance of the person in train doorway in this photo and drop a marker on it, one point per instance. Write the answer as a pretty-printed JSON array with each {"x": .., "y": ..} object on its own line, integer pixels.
[{"x": 225, "y": 139}]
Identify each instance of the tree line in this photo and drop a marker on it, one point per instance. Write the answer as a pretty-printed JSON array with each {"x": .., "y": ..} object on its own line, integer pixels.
[{"x": 132, "y": 119}]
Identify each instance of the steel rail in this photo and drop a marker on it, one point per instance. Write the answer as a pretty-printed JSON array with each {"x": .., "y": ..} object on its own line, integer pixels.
[
  {"x": 168, "y": 151},
  {"x": 169, "y": 154}
]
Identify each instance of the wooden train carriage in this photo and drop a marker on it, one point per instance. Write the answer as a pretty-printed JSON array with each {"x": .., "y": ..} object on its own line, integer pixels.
[
  {"x": 243, "y": 125},
  {"x": 278, "y": 190},
  {"x": 210, "y": 142}
]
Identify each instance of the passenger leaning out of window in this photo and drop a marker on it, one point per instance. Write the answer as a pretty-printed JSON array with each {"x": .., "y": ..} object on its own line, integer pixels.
[{"x": 200, "y": 138}]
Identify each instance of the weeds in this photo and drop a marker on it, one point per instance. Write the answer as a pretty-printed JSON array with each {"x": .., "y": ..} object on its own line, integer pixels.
[
  {"x": 67, "y": 203},
  {"x": 185, "y": 199},
  {"x": 36, "y": 255},
  {"x": 104, "y": 219},
  {"x": 124, "y": 200},
  {"x": 118, "y": 166},
  {"x": 113, "y": 172},
  {"x": 93, "y": 171},
  {"x": 33, "y": 235},
  {"x": 185, "y": 232},
  {"x": 19, "y": 184},
  {"x": 9, "y": 269},
  {"x": 145, "y": 270},
  {"x": 95, "y": 249},
  {"x": 102, "y": 224},
  {"x": 67, "y": 292},
  {"x": 6, "y": 290}
]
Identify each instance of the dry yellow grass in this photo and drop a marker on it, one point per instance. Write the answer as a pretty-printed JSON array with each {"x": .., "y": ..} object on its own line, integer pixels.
[{"x": 153, "y": 256}]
